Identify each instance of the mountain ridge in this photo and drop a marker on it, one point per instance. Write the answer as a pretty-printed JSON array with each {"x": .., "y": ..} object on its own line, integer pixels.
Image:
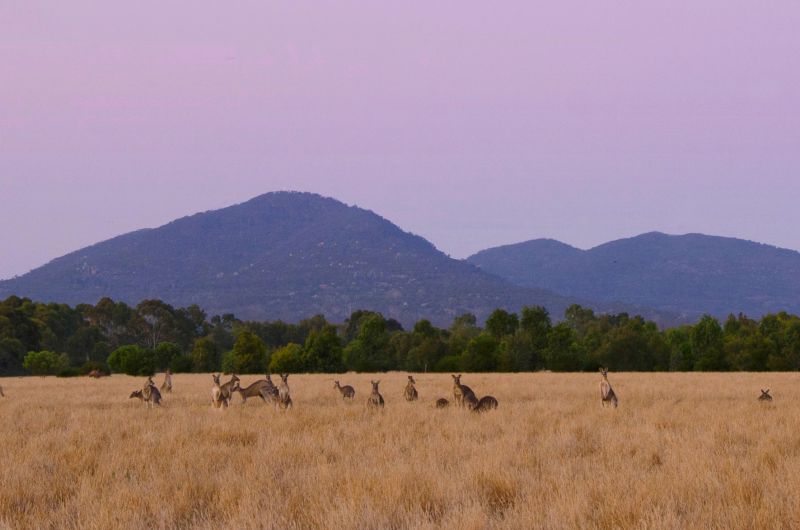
[
  {"x": 689, "y": 274},
  {"x": 284, "y": 255}
]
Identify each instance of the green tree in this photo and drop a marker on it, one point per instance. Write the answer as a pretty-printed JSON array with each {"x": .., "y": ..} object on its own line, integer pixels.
[
  {"x": 248, "y": 356},
  {"x": 562, "y": 353},
  {"x": 323, "y": 350},
  {"x": 707, "y": 345},
  {"x": 369, "y": 352},
  {"x": 481, "y": 354},
  {"x": 501, "y": 323},
  {"x": 205, "y": 356},
  {"x": 165, "y": 352},
  {"x": 132, "y": 360},
  {"x": 290, "y": 360},
  {"x": 45, "y": 362}
]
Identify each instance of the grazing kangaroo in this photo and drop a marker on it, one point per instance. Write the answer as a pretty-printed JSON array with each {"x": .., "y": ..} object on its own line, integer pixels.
[
  {"x": 257, "y": 389},
  {"x": 607, "y": 394},
  {"x": 166, "y": 386},
  {"x": 149, "y": 394},
  {"x": 375, "y": 398},
  {"x": 765, "y": 395},
  {"x": 218, "y": 400},
  {"x": 460, "y": 391},
  {"x": 442, "y": 403},
  {"x": 284, "y": 399},
  {"x": 411, "y": 391},
  {"x": 348, "y": 392},
  {"x": 486, "y": 403}
]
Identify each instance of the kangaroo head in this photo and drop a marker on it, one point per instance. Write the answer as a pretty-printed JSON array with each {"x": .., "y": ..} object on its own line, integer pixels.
[
  {"x": 285, "y": 378},
  {"x": 234, "y": 378},
  {"x": 411, "y": 380},
  {"x": 375, "y": 385},
  {"x": 604, "y": 372},
  {"x": 765, "y": 392},
  {"x": 135, "y": 394},
  {"x": 457, "y": 378},
  {"x": 216, "y": 378}
]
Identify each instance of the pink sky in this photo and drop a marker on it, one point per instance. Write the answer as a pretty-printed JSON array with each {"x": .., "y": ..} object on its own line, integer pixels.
[{"x": 470, "y": 125}]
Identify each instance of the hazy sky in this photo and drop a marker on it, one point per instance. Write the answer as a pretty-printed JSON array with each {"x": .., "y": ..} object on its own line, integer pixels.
[{"x": 470, "y": 124}]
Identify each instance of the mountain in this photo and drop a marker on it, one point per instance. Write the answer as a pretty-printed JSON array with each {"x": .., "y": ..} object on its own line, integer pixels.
[
  {"x": 687, "y": 275},
  {"x": 287, "y": 256}
]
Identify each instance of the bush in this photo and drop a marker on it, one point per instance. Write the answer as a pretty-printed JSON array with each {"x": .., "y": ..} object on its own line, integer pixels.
[
  {"x": 181, "y": 364},
  {"x": 290, "y": 359},
  {"x": 70, "y": 371},
  {"x": 248, "y": 356},
  {"x": 132, "y": 360},
  {"x": 449, "y": 363},
  {"x": 45, "y": 362}
]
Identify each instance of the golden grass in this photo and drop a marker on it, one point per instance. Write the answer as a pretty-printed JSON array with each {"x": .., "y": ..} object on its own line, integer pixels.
[{"x": 682, "y": 451}]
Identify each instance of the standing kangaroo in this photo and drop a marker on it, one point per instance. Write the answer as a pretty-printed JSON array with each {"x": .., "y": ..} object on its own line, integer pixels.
[
  {"x": 765, "y": 395},
  {"x": 607, "y": 394},
  {"x": 348, "y": 392},
  {"x": 461, "y": 391},
  {"x": 375, "y": 398},
  {"x": 227, "y": 389},
  {"x": 284, "y": 399},
  {"x": 166, "y": 386},
  {"x": 218, "y": 400},
  {"x": 411, "y": 391}
]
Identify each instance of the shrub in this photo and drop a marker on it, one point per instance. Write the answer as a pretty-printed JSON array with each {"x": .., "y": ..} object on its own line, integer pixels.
[
  {"x": 132, "y": 360},
  {"x": 289, "y": 359},
  {"x": 45, "y": 362},
  {"x": 181, "y": 364}
]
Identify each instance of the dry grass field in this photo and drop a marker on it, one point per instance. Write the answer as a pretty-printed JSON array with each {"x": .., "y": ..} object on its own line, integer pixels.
[{"x": 681, "y": 451}]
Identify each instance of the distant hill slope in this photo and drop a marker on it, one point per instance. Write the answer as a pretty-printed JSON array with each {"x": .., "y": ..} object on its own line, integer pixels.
[
  {"x": 282, "y": 255},
  {"x": 687, "y": 275}
]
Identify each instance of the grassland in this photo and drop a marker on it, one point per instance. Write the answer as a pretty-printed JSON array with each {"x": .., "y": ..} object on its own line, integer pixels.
[{"x": 682, "y": 451}]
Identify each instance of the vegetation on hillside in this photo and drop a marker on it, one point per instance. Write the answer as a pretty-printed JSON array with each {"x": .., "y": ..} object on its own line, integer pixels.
[{"x": 56, "y": 338}]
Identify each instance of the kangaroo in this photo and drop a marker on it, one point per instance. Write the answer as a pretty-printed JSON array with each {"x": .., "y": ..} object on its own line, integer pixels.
[
  {"x": 375, "y": 398},
  {"x": 150, "y": 395},
  {"x": 284, "y": 399},
  {"x": 486, "y": 403},
  {"x": 469, "y": 401},
  {"x": 166, "y": 386},
  {"x": 442, "y": 403},
  {"x": 411, "y": 391},
  {"x": 257, "y": 389},
  {"x": 227, "y": 388},
  {"x": 218, "y": 400},
  {"x": 96, "y": 374},
  {"x": 459, "y": 391},
  {"x": 348, "y": 392},
  {"x": 607, "y": 394},
  {"x": 765, "y": 395}
]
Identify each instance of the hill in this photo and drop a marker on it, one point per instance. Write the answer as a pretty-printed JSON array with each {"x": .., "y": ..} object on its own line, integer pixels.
[
  {"x": 688, "y": 274},
  {"x": 287, "y": 256}
]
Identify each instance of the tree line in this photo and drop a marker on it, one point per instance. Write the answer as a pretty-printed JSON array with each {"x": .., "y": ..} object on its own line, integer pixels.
[{"x": 52, "y": 338}]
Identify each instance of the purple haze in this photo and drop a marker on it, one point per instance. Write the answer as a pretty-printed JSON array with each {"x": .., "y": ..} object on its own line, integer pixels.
[{"x": 468, "y": 123}]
